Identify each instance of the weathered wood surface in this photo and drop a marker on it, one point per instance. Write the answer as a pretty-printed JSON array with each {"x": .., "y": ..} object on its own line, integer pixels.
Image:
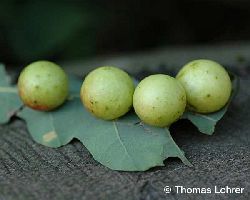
[{"x": 31, "y": 171}]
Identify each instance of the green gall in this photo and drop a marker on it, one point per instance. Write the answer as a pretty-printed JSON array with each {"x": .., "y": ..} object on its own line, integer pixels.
[
  {"x": 207, "y": 84},
  {"x": 107, "y": 92},
  {"x": 43, "y": 85},
  {"x": 159, "y": 100}
]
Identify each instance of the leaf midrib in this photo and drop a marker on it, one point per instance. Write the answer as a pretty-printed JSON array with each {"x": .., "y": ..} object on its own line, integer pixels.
[
  {"x": 206, "y": 117},
  {"x": 124, "y": 147}
]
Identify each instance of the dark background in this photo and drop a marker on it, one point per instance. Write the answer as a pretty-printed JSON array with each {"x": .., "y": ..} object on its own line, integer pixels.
[{"x": 75, "y": 30}]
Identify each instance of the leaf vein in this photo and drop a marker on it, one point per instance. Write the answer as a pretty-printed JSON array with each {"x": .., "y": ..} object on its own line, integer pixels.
[
  {"x": 119, "y": 138},
  {"x": 206, "y": 117},
  {"x": 54, "y": 128}
]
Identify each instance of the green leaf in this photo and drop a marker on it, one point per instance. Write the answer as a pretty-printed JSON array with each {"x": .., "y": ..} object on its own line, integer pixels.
[
  {"x": 9, "y": 100},
  {"x": 124, "y": 144},
  {"x": 206, "y": 122},
  {"x": 74, "y": 85}
]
